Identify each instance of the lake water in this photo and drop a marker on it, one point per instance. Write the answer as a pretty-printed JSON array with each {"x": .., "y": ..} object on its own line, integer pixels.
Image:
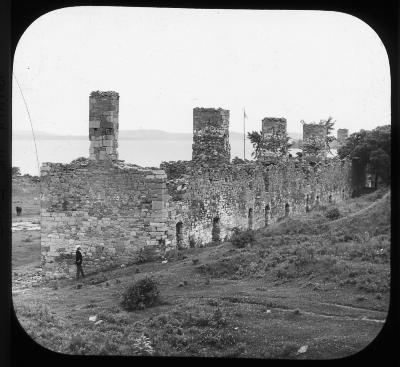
[{"x": 148, "y": 153}]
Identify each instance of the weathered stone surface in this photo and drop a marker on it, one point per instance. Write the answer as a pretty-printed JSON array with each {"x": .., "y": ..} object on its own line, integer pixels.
[
  {"x": 275, "y": 126},
  {"x": 315, "y": 134},
  {"x": 342, "y": 135},
  {"x": 211, "y": 136},
  {"x": 103, "y": 125},
  {"x": 113, "y": 209}
]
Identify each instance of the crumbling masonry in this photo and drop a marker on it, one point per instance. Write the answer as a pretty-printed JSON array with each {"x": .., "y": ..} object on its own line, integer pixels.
[
  {"x": 113, "y": 209},
  {"x": 342, "y": 135}
]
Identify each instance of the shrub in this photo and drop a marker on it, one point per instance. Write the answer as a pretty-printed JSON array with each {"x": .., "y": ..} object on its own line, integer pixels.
[
  {"x": 332, "y": 213},
  {"x": 242, "y": 239},
  {"x": 143, "y": 293},
  {"x": 142, "y": 346},
  {"x": 77, "y": 345}
]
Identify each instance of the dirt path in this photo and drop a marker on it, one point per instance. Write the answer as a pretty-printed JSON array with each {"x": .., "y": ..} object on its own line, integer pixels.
[{"x": 361, "y": 211}]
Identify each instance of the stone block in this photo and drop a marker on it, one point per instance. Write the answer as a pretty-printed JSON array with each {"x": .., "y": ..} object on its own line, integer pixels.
[
  {"x": 157, "y": 205},
  {"x": 94, "y": 124}
]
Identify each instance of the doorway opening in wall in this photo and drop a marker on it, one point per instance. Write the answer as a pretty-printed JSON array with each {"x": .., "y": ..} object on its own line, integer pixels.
[
  {"x": 216, "y": 230},
  {"x": 267, "y": 214},
  {"x": 179, "y": 234},
  {"x": 250, "y": 218},
  {"x": 287, "y": 209}
]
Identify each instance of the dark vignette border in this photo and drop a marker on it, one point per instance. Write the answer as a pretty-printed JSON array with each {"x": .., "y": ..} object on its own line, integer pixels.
[{"x": 15, "y": 18}]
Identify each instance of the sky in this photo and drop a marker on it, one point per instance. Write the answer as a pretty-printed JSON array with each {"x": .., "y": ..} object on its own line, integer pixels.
[{"x": 301, "y": 65}]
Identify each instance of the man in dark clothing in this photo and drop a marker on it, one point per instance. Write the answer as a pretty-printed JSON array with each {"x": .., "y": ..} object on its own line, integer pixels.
[
  {"x": 78, "y": 261},
  {"x": 19, "y": 210}
]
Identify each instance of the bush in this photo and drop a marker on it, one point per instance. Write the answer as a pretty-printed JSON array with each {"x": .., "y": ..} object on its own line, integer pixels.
[
  {"x": 332, "y": 213},
  {"x": 242, "y": 239},
  {"x": 143, "y": 293}
]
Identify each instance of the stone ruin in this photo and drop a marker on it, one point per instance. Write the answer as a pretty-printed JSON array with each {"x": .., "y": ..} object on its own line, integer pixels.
[
  {"x": 314, "y": 135},
  {"x": 274, "y": 127},
  {"x": 114, "y": 210},
  {"x": 342, "y": 135},
  {"x": 103, "y": 125},
  {"x": 211, "y": 136}
]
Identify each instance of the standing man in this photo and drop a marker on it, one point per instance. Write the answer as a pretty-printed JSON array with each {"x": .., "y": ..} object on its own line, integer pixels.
[{"x": 78, "y": 262}]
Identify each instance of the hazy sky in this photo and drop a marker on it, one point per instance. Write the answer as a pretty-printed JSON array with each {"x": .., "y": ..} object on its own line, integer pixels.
[{"x": 164, "y": 62}]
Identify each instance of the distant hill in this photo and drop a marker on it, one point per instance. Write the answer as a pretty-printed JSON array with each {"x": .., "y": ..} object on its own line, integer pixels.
[{"x": 142, "y": 134}]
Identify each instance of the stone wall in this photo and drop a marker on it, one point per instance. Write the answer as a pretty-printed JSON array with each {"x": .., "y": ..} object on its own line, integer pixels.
[
  {"x": 103, "y": 125},
  {"x": 251, "y": 195},
  {"x": 110, "y": 209},
  {"x": 113, "y": 210},
  {"x": 211, "y": 136}
]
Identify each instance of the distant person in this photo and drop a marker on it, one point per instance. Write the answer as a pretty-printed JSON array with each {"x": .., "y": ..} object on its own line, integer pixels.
[
  {"x": 19, "y": 210},
  {"x": 78, "y": 261}
]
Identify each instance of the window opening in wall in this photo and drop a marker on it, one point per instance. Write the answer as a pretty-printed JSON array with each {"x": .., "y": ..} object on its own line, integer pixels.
[
  {"x": 250, "y": 218},
  {"x": 267, "y": 214},
  {"x": 179, "y": 233},
  {"x": 108, "y": 131},
  {"x": 216, "y": 230},
  {"x": 287, "y": 209}
]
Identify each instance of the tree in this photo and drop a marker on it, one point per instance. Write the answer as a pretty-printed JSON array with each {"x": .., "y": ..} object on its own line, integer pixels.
[
  {"x": 276, "y": 142},
  {"x": 372, "y": 151},
  {"x": 255, "y": 138},
  {"x": 315, "y": 146},
  {"x": 238, "y": 160},
  {"x": 329, "y": 123},
  {"x": 16, "y": 171},
  {"x": 312, "y": 146}
]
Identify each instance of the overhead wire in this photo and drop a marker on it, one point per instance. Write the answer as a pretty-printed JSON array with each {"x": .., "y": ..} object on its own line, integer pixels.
[{"x": 30, "y": 121}]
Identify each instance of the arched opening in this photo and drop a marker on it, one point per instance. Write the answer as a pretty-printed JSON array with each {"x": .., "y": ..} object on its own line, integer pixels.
[
  {"x": 250, "y": 218},
  {"x": 287, "y": 209},
  {"x": 267, "y": 214},
  {"x": 179, "y": 234},
  {"x": 216, "y": 230}
]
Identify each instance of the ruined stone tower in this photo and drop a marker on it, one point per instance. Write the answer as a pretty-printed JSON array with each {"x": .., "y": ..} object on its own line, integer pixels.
[
  {"x": 103, "y": 125},
  {"x": 342, "y": 135},
  {"x": 211, "y": 136},
  {"x": 314, "y": 140},
  {"x": 274, "y": 129}
]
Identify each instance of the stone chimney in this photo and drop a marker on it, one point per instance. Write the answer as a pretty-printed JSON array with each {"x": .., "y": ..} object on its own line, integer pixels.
[
  {"x": 211, "y": 136},
  {"x": 342, "y": 135},
  {"x": 103, "y": 125},
  {"x": 315, "y": 135},
  {"x": 274, "y": 126}
]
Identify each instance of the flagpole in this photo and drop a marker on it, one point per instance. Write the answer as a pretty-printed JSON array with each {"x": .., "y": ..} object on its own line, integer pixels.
[{"x": 244, "y": 134}]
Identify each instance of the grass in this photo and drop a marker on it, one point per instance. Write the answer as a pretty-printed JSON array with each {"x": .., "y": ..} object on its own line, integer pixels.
[{"x": 306, "y": 281}]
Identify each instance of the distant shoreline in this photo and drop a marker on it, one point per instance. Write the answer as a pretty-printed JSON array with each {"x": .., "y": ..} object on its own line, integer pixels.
[{"x": 129, "y": 135}]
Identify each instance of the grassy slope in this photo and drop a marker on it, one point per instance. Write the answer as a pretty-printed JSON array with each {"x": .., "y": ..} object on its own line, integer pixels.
[{"x": 306, "y": 281}]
